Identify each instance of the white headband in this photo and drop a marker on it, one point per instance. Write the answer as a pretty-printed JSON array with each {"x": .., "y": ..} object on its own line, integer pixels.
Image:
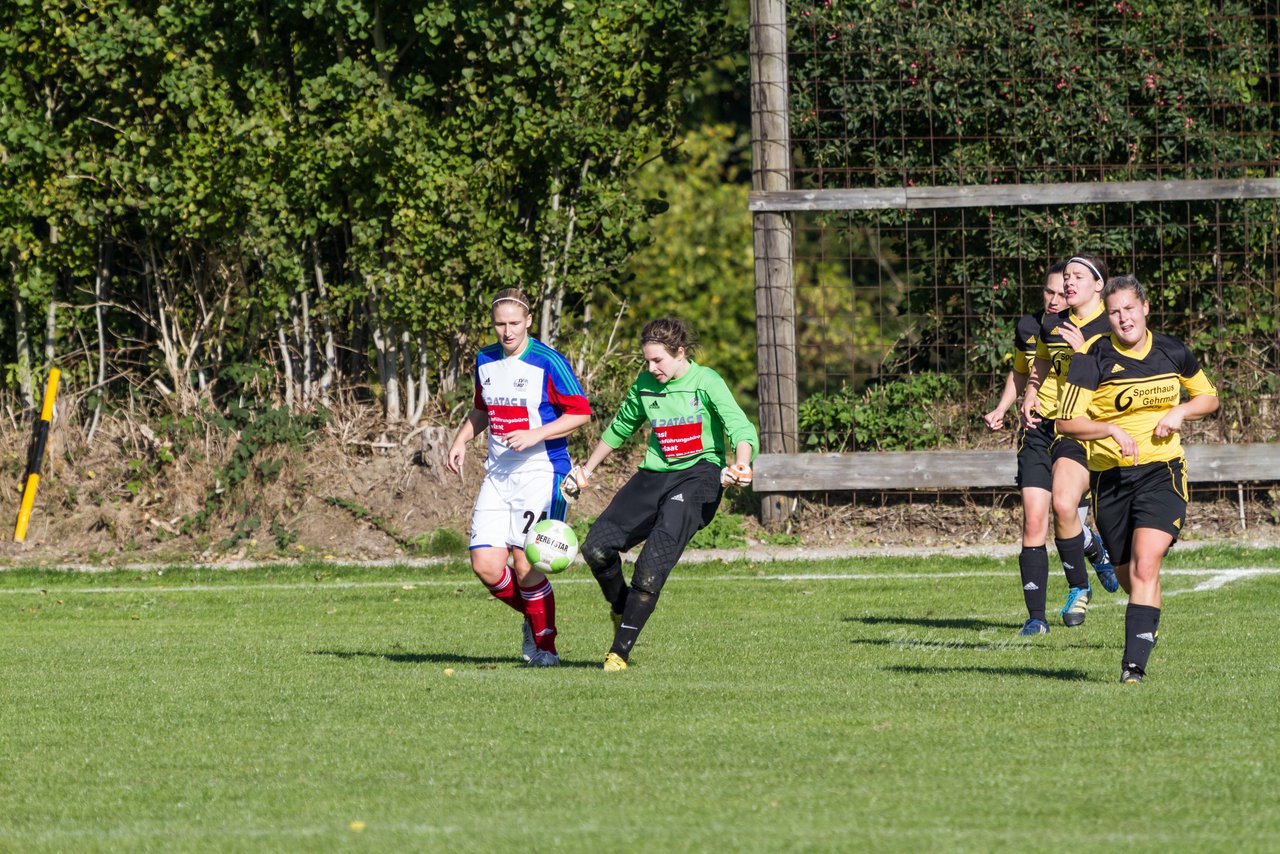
[
  {"x": 511, "y": 299},
  {"x": 1076, "y": 259}
]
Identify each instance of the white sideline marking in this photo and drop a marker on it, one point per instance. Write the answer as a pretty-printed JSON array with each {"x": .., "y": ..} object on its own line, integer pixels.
[
  {"x": 1224, "y": 577},
  {"x": 1217, "y": 579}
]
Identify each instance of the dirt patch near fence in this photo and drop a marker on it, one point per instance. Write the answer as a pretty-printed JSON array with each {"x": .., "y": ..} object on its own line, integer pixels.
[{"x": 360, "y": 495}]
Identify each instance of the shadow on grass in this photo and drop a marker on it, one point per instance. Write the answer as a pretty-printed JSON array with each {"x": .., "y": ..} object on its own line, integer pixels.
[
  {"x": 1062, "y": 674},
  {"x": 478, "y": 661},
  {"x": 930, "y": 643},
  {"x": 933, "y": 623},
  {"x": 987, "y": 642}
]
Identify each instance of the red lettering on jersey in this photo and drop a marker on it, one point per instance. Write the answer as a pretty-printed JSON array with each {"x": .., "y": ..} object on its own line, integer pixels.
[
  {"x": 507, "y": 419},
  {"x": 680, "y": 440}
]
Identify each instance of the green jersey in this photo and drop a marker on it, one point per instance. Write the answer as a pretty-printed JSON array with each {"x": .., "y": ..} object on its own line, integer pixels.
[{"x": 690, "y": 416}]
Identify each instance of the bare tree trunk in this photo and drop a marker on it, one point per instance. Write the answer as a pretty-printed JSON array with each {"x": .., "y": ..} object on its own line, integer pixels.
[
  {"x": 424, "y": 384},
  {"x": 101, "y": 278},
  {"x": 330, "y": 349},
  {"x": 384, "y": 346},
  {"x": 410, "y": 375},
  {"x": 286, "y": 360},
  {"x": 50, "y": 332},
  {"x": 453, "y": 367},
  {"x": 558, "y": 268},
  {"x": 307, "y": 346},
  {"x": 22, "y": 342}
]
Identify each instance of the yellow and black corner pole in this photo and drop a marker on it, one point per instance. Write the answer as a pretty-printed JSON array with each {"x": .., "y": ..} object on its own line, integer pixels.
[{"x": 36, "y": 455}]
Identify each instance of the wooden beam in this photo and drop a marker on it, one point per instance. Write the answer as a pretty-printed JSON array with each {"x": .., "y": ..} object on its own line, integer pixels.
[
  {"x": 891, "y": 470},
  {"x": 774, "y": 293},
  {"x": 1012, "y": 195}
]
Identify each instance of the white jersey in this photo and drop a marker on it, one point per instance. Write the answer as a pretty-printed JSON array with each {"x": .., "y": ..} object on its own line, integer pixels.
[{"x": 522, "y": 393}]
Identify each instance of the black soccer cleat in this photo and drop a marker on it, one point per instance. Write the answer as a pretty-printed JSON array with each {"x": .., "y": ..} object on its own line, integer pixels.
[{"x": 1131, "y": 675}]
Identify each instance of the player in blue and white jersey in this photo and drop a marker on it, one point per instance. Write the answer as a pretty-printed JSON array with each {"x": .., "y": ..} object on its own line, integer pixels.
[{"x": 528, "y": 398}]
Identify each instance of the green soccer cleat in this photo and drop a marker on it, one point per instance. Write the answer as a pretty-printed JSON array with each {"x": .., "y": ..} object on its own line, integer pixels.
[
  {"x": 614, "y": 663},
  {"x": 1073, "y": 613}
]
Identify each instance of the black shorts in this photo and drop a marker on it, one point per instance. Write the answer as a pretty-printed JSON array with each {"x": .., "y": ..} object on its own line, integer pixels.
[
  {"x": 1035, "y": 465},
  {"x": 1067, "y": 448},
  {"x": 661, "y": 509},
  {"x": 1151, "y": 495}
]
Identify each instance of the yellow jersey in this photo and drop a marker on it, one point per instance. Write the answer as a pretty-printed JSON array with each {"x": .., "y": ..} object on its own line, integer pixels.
[{"x": 1132, "y": 389}]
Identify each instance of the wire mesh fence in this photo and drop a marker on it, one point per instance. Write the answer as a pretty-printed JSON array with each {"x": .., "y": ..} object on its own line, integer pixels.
[{"x": 905, "y": 314}]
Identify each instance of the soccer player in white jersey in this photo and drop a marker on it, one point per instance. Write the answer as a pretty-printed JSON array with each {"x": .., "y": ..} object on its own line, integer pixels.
[{"x": 529, "y": 399}]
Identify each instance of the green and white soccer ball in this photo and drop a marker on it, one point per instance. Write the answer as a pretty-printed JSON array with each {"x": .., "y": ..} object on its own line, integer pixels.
[{"x": 551, "y": 546}]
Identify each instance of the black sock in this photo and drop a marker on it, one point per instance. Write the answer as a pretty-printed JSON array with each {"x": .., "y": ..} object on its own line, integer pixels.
[
  {"x": 640, "y": 606},
  {"x": 1033, "y": 565},
  {"x": 1071, "y": 553},
  {"x": 612, "y": 585},
  {"x": 1141, "y": 627}
]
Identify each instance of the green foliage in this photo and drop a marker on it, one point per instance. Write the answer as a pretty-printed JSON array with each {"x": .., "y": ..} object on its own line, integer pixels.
[
  {"x": 890, "y": 95},
  {"x": 251, "y": 177},
  {"x": 911, "y": 413},
  {"x": 442, "y": 542},
  {"x": 265, "y": 439},
  {"x": 724, "y": 531},
  {"x": 699, "y": 262},
  {"x": 780, "y": 538}
]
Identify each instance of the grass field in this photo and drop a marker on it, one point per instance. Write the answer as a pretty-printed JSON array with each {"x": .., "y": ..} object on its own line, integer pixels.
[{"x": 860, "y": 704}]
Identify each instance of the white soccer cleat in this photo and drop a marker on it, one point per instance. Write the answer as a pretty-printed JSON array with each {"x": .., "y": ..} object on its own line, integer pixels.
[
  {"x": 544, "y": 658},
  {"x": 528, "y": 647}
]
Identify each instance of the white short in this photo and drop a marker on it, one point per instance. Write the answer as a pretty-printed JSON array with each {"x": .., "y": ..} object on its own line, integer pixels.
[{"x": 510, "y": 503}]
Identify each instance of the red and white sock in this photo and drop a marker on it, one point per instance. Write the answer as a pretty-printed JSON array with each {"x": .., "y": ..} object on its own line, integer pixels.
[
  {"x": 507, "y": 591},
  {"x": 540, "y": 608}
]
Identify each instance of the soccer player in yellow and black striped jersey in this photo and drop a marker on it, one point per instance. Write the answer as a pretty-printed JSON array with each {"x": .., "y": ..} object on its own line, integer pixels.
[
  {"x": 1035, "y": 466},
  {"x": 1062, "y": 336},
  {"x": 1124, "y": 398}
]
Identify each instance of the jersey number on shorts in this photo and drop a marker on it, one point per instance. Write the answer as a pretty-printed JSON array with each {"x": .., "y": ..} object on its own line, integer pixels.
[{"x": 529, "y": 519}]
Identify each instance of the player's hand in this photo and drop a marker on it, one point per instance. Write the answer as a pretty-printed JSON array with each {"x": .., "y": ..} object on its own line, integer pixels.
[
  {"x": 738, "y": 474},
  {"x": 1171, "y": 423},
  {"x": 1128, "y": 446},
  {"x": 520, "y": 440},
  {"x": 1072, "y": 335},
  {"x": 573, "y": 484},
  {"x": 994, "y": 420},
  {"x": 453, "y": 462},
  {"x": 1030, "y": 412}
]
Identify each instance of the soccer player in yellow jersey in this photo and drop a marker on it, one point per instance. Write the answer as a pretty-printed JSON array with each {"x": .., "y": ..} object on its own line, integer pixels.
[
  {"x": 1061, "y": 336},
  {"x": 1035, "y": 466},
  {"x": 1124, "y": 398}
]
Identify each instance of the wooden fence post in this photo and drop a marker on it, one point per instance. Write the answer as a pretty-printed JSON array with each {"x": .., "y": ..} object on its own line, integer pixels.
[{"x": 775, "y": 296}]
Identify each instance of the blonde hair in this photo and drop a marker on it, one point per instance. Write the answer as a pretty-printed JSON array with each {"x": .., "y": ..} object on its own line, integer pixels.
[{"x": 514, "y": 295}]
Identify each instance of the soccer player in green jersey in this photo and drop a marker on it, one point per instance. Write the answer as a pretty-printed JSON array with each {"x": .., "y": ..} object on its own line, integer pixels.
[
  {"x": 691, "y": 413},
  {"x": 1123, "y": 399}
]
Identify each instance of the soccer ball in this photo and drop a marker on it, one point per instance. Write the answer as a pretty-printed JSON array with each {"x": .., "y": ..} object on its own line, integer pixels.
[{"x": 551, "y": 546}]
